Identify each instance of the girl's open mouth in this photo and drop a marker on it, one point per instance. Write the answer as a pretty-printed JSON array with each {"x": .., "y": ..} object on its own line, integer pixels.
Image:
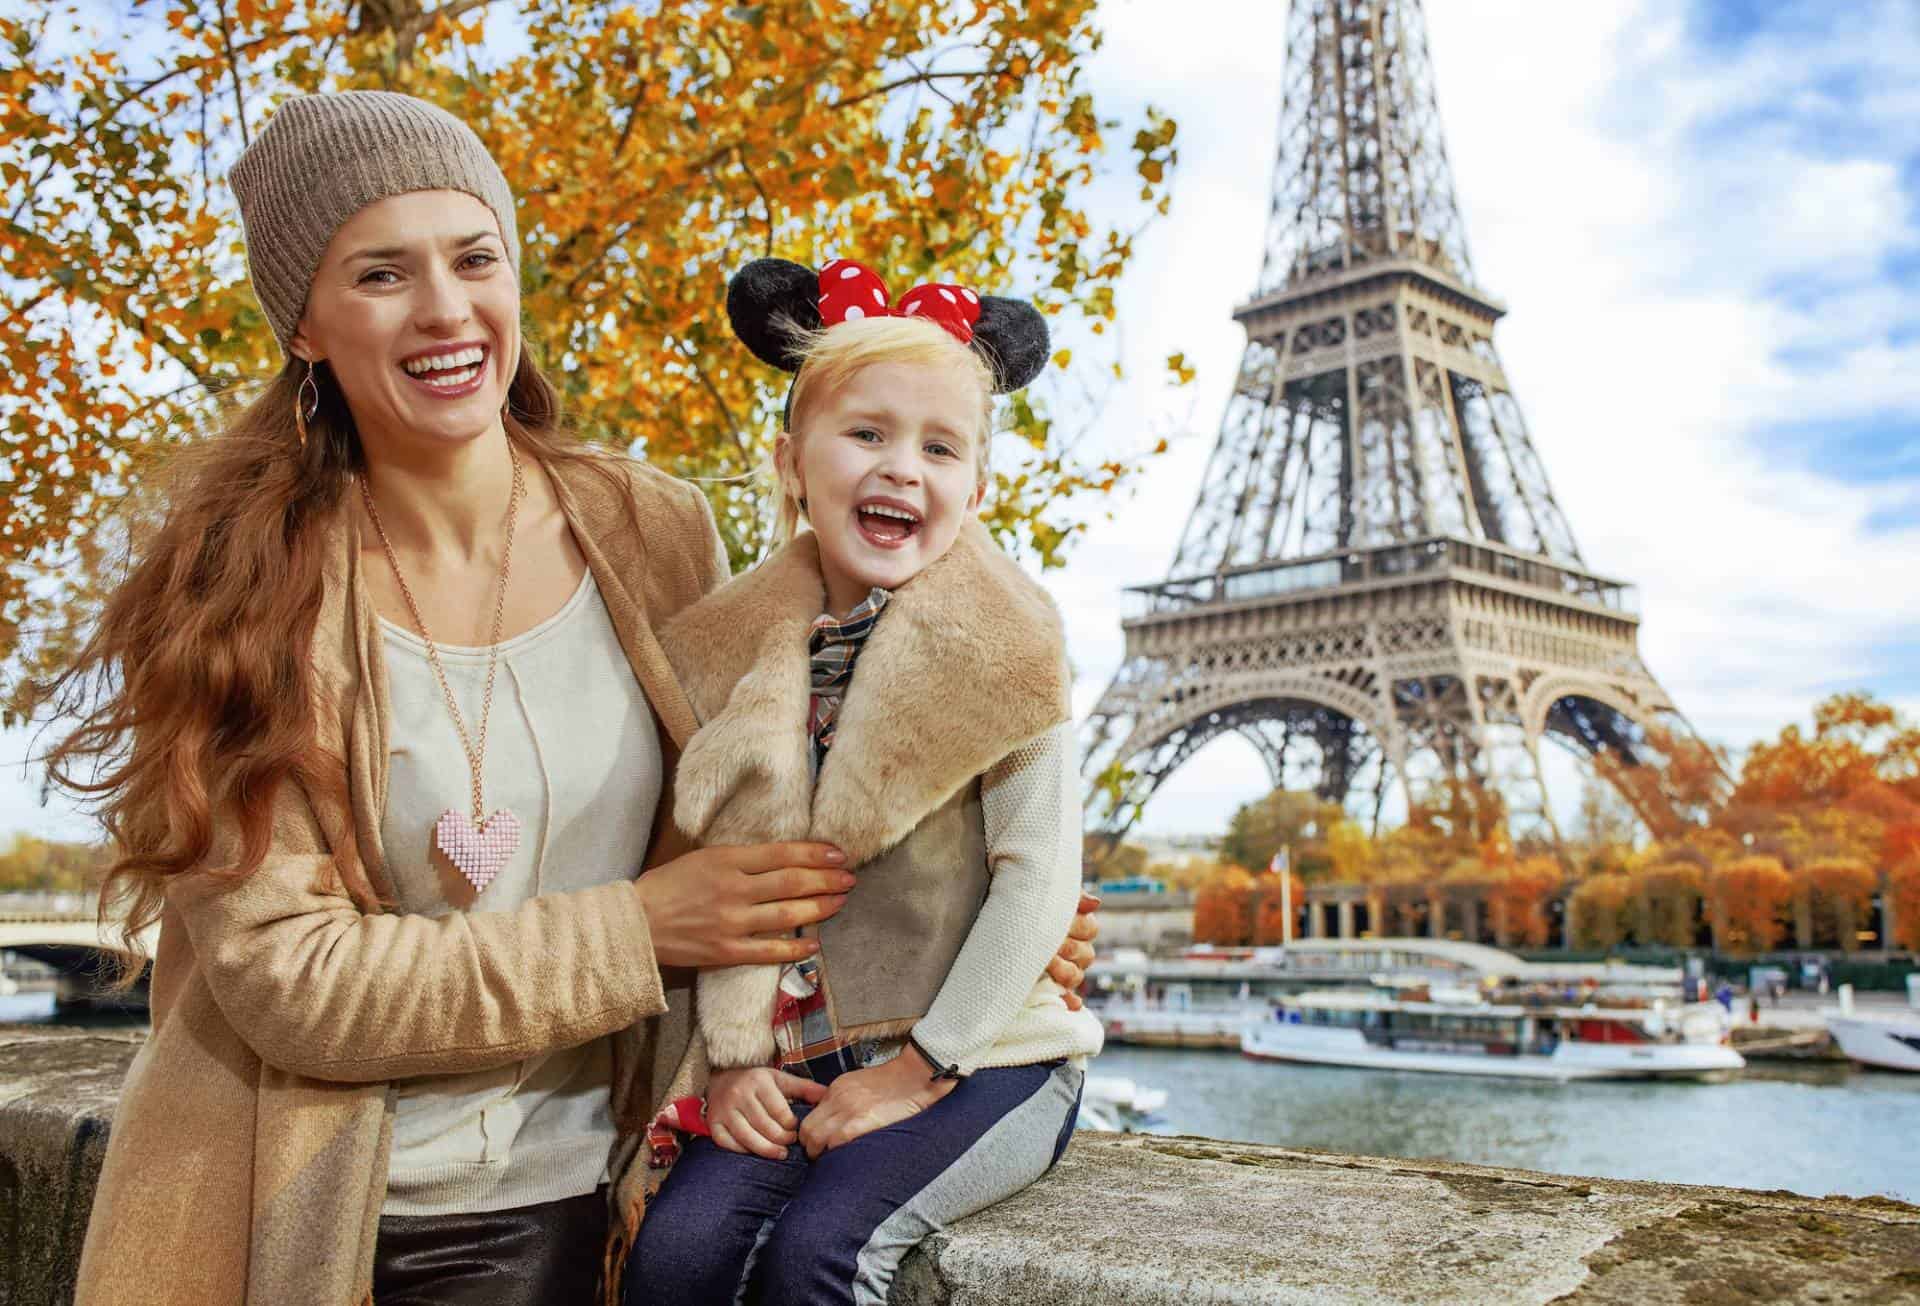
[
  {"x": 886, "y": 526},
  {"x": 448, "y": 374}
]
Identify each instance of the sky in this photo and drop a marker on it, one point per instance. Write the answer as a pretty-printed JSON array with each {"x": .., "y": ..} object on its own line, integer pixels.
[{"x": 1704, "y": 219}]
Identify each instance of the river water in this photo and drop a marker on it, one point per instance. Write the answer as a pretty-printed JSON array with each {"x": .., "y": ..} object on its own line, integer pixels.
[{"x": 1814, "y": 1128}]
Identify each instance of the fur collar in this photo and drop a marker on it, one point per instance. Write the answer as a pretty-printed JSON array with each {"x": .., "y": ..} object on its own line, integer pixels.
[{"x": 966, "y": 663}]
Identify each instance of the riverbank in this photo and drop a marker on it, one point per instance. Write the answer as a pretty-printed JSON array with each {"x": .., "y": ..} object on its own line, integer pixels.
[{"x": 1144, "y": 1221}]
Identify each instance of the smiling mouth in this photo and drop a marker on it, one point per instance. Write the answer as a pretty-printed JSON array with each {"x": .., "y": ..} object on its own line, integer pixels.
[
  {"x": 457, "y": 373},
  {"x": 885, "y": 525}
]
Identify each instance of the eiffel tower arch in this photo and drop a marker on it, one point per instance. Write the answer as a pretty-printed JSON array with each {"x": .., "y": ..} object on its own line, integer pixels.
[{"x": 1376, "y": 587}]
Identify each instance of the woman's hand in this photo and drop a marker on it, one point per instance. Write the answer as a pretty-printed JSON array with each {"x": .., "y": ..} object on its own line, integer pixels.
[
  {"x": 740, "y": 906},
  {"x": 1068, "y": 968},
  {"x": 750, "y": 1109},
  {"x": 862, "y": 1101}
]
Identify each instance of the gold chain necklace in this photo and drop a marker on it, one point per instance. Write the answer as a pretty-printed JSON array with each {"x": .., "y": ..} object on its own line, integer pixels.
[{"x": 478, "y": 847}]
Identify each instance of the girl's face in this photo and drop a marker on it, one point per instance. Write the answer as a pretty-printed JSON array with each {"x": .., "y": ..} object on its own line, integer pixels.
[
  {"x": 416, "y": 312},
  {"x": 887, "y": 466}
]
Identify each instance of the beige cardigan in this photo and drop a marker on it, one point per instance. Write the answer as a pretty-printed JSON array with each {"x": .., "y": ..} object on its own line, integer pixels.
[{"x": 248, "y": 1155}]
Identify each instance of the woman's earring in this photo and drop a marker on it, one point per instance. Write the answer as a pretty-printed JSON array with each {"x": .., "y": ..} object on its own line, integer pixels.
[{"x": 303, "y": 411}]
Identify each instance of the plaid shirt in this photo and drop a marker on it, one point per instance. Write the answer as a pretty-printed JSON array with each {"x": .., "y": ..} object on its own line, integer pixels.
[{"x": 805, "y": 1041}]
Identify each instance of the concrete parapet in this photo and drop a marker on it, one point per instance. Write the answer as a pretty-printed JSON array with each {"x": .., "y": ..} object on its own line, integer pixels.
[
  {"x": 57, "y": 1089},
  {"x": 1148, "y": 1221}
]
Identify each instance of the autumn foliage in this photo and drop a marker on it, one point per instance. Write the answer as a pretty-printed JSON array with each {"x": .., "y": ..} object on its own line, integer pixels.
[
  {"x": 652, "y": 149},
  {"x": 1793, "y": 852},
  {"x": 1748, "y": 899}
]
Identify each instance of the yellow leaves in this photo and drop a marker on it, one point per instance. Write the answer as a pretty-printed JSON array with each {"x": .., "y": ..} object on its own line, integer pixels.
[
  {"x": 1179, "y": 370},
  {"x": 652, "y": 148},
  {"x": 1062, "y": 357}
]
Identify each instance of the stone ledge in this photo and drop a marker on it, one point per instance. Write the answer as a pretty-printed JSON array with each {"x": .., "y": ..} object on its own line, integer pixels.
[{"x": 1149, "y": 1221}]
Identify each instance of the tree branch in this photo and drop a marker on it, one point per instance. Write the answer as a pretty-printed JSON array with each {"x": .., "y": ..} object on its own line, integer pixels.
[{"x": 233, "y": 71}]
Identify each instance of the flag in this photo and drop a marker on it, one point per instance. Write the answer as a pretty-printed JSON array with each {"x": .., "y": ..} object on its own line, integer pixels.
[{"x": 1279, "y": 862}]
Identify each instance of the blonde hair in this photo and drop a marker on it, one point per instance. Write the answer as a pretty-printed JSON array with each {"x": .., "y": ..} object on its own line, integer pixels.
[{"x": 831, "y": 358}]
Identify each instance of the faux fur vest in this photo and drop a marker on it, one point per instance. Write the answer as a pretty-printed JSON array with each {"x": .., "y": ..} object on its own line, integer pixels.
[{"x": 966, "y": 663}]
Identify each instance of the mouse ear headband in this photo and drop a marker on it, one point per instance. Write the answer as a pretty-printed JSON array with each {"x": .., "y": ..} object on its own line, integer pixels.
[{"x": 770, "y": 296}]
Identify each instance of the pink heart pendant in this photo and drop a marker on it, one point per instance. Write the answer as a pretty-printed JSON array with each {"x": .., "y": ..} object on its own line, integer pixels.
[{"x": 477, "y": 852}]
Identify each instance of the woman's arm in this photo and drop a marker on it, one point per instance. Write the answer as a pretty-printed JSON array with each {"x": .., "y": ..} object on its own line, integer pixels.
[{"x": 317, "y": 987}]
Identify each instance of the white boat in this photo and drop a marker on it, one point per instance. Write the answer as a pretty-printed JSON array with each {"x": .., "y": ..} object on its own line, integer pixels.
[
  {"x": 1204, "y": 996},
  {"x": 1384, "y": 1032},
  {"x": 1886, "y": 1042},
  {"x": 1113, "y": 1104}
]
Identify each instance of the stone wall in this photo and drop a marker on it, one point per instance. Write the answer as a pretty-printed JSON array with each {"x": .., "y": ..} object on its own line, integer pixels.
[{"x": 1146, "y": 1221}]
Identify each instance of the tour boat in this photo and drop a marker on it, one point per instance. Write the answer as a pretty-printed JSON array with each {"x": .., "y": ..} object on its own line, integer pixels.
[
  {"x": 1522, "y": 1041},
  {"x": 1885, "y": 1042},
  {"x": 1204, "y": 997}
]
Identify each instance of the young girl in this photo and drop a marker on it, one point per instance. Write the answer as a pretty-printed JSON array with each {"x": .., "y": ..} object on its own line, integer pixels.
[{"x": 889, "y": 681}]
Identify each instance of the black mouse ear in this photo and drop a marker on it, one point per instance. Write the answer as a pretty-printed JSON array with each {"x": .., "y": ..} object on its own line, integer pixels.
[
  {"x": 1012, "y": 336},
  {"x": 768, "y": 298}
]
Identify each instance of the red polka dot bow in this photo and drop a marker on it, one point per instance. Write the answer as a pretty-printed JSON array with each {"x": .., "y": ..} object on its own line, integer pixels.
[{"x": 850, "y": 291}]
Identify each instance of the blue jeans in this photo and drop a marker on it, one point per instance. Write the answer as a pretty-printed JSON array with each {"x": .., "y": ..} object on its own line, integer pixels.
[{"x": 728, "y": 1227}]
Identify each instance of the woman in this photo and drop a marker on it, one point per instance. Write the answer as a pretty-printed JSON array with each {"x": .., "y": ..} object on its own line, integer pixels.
[{"x": 384, "y": 730}]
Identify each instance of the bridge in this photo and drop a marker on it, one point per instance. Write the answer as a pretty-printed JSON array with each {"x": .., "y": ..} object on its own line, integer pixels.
[{"x": 63, "y": 931}]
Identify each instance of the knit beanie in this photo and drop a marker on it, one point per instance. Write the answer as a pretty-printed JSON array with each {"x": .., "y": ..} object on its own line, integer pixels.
[{"x": 322, "y": 158}]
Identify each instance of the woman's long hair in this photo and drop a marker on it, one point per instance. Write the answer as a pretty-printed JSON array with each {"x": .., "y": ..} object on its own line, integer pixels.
[{"x": 193, "y": 698}]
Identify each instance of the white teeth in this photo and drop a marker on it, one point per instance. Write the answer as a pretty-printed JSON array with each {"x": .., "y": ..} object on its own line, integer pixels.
[
  {"x": 444, "y": 362},
  {"x": 881, "y": 510}
]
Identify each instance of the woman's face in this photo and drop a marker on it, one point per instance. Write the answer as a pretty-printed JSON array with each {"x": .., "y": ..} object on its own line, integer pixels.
[
  {"x": 886, "y": 463},
  {"x": 416, "y": 312}
]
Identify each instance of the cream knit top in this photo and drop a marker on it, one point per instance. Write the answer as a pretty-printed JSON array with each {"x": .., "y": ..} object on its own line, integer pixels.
[{"x": 573, "y": 750}]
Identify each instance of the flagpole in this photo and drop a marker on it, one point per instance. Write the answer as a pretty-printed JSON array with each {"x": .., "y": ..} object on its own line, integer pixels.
[{"x": 1283, "y": 863}]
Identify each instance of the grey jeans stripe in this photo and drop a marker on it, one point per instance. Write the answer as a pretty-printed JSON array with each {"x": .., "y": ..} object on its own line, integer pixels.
[{"x": 1005, "y": 1159}]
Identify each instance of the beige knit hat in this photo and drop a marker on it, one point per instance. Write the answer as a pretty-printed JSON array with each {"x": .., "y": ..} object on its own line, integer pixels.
[{"x": 323, "y": 158}]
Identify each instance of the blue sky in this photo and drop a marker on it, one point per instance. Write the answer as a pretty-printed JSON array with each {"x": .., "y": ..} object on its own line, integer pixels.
[{"x": 1704, "y": 219}]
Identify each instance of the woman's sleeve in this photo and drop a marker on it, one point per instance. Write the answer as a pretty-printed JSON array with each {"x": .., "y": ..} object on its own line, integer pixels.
[
  {"x": 718, "y": 567},
  {"x": 1030, "y": 803},
  {"x": 319, "y": 988}
]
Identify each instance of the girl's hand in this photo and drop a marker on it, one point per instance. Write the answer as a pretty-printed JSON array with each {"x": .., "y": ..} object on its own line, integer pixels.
[
  {"x": 749, "y": 1109},
  {"x": 1068, "y": 968},
  {"x": 862, "y": 1101},
  {"x": 740, "y": 906}
]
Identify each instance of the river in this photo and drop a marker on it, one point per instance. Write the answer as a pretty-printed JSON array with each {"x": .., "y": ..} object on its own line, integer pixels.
[{"x": 1814, "y": 1128}]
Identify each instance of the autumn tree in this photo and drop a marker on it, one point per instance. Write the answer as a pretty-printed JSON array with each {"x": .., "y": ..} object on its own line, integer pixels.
[
  {"x": 1667, "y": 895},
  {"x": 652, "y": 149},
  {"x": 32, "y": 864},
  {"x": 1516, "y": 897},
  {"x": 1903, "y": 892},
  {"x": 1223, "y": 908},
  {"x": 1747, "y": 901},
  {"x": 1299, "y": 822},
  {"x": 1106, "y": 860},
  {"x": 1836, "y": 894},
  {"x": 1597, "y": 912}
]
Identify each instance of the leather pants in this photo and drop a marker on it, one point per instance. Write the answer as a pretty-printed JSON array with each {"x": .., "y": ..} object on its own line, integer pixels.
[{"x": 545, "y": 1255}]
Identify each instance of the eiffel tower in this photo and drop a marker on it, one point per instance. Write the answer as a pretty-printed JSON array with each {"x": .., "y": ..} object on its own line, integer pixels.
[{"x": 1376, "y": 587}]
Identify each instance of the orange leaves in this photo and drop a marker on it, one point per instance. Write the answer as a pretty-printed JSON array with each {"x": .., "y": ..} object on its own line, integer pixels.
[
  {"x": 1597, "y": 912},
  {"x": 652, "y": 149},
  {"x": 1748, "y": 899},
  {"x": 1903, "y": 889}
]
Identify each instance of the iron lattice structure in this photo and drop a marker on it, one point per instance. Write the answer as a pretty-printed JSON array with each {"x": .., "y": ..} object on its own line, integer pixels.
[{"x": 1376, "y": 586}]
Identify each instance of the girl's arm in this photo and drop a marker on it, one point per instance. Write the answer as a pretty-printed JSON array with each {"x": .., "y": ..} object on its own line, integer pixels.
[{"x": 1030, "y": 803}]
